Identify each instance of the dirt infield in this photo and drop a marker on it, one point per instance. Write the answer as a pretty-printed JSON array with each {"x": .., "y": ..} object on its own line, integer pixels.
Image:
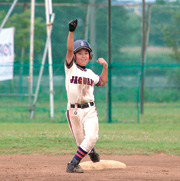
[{"x": 52, "y": 168}]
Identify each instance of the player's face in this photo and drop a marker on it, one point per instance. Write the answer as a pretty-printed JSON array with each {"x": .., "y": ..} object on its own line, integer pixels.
[{"x": 82, "y": 57}]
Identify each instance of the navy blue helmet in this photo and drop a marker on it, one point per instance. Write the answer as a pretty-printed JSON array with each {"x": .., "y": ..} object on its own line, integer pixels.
[{"x": 79, "y": 44}]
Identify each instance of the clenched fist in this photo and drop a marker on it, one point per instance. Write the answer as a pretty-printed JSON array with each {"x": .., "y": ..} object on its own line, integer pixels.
[
  {"x": 102, "y": 62},
  {"x": 72, "y": 25}
]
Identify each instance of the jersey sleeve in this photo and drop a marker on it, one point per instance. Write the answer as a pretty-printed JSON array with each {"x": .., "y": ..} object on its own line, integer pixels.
[
  {"x": 70, "y": 64},
  {"x": 99, "y": 82},
  {"x": 69, "y": 68},
  {"x": 97, "y": 79}
]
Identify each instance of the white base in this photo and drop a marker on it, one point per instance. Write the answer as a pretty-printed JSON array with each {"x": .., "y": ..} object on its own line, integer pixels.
[{"x": 103, "y": 164}]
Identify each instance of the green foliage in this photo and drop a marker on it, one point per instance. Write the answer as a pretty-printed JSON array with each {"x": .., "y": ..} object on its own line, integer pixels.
[
  {"x": 21, "y": 23},
  {"x": 125, "y": 31},
  {"x": 171, "y": 34},
  {"x": 161, "y": 2},
  {"x": 126, "y": 35},
  {"x": 125, "y": 95},
  {"x": 160, "y": 17},
  {"x": 2, "y": 14},
  {"x": 165, "y": 27},
  {"x": 133, "y": 29},
  {"x": 175, "y": 76},
  {"x": 162, "y": 95}
]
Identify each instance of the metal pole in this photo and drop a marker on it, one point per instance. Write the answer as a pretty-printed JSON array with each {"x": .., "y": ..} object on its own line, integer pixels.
[
  {"x": 8, "y": 14},
  {"x": 48, "y": 3},
  {"x": 109, "y": 101},
  {"x": 143, "y": 55},
  {"x": 87, "y": 23},
  {"x": 49, "y": 6},
  {"x": 31, "y": 53},
  {"x": 42, "y": 67},
  {"x": 148, "y": 27},
  {"x": 93, "y": 29}
]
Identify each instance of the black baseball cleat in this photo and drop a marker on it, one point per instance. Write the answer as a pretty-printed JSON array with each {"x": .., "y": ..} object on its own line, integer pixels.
[
  {"x": 74, "y": 167},
  {"x": 94, "y": 156}
]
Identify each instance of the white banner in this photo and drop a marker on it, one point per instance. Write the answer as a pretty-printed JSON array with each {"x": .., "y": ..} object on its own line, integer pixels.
[{"x": 6, "y": 53}]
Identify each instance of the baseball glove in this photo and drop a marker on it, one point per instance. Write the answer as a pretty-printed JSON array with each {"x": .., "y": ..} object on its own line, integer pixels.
[{"x": 72, "y": 25}]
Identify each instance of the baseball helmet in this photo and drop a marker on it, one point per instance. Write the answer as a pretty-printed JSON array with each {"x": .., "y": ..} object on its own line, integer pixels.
[{"x": 79, "y": 44}]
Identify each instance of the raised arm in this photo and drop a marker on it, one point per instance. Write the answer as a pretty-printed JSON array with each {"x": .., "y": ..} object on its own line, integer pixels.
[
  {"x": 104, "y": 72},
  {"x": 70, "y": 41}
]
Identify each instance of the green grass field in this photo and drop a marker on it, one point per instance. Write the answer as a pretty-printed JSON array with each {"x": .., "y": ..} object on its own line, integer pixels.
[
  {"x": 158, "y": 130},
  {"x": 115, "y": 138}
]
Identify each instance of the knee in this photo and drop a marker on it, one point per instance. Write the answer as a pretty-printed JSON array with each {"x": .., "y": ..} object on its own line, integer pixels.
[
  {"x": 89, "y": 142},
  {"x": 93, "y": 139}
]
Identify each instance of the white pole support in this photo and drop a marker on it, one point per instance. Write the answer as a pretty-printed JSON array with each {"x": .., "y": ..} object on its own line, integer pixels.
[
  {"x": 49, "y": 23},
  {"x": 41, "y": 69},
  {"x": 8, "y": 14},
  {"x": 50, "y": 6},
  {"x": 31, "y": 54}
]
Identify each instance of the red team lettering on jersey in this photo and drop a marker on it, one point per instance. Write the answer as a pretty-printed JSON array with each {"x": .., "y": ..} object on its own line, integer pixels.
[
  {"x": 81, "y": 80},
  {"x": 78, "y": 79}
]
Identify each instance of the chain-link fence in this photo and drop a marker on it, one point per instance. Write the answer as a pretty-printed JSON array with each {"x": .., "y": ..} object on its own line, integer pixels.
[{"x": 161, "y": 67}]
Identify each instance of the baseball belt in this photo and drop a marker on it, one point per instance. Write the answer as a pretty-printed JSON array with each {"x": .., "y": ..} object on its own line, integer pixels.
[{"x": 85, "y": 105}]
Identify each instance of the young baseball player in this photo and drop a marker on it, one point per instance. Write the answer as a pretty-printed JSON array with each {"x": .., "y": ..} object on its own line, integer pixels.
[{"x": 81, "y": 110}]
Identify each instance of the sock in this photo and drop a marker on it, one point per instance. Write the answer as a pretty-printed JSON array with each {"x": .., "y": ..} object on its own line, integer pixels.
[{"x": 80, "y": 154}]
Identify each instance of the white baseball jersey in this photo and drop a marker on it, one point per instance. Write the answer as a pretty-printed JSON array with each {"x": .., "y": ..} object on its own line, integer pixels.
[
  {"x": 80, "y": 87},
  {"x": 80, "y": 83}
]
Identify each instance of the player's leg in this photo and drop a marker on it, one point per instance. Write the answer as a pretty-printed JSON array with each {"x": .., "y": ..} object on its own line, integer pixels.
[
  {"x": 74, "y": 119},
  {"x": 91, "y": 128},
  {"x": 74, "y": 166}
]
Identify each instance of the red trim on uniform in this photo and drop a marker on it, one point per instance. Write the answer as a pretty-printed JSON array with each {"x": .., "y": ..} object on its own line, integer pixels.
[
  {"x": 69, "y": 65},
  {"x": 81, "y": 68},
  {"x": 69, "y": 121},
  {"x": 99, "y": 83}
]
